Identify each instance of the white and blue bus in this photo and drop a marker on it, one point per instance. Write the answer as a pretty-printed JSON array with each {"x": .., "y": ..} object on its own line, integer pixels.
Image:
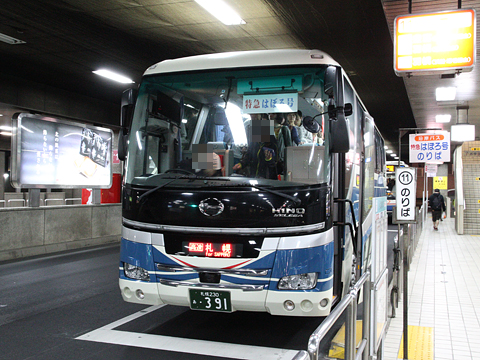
[{"x": 285, "y": 232}]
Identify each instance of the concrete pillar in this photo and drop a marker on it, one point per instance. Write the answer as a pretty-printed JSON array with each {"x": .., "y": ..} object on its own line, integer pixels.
[
  {"x": 2, "y": 174},
  {"x": 96, "y": 196},
  {"x": 33, "y": 197}
]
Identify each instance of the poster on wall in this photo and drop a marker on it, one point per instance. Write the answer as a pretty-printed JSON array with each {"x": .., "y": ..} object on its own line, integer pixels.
[{"x": 54, "y": 153}]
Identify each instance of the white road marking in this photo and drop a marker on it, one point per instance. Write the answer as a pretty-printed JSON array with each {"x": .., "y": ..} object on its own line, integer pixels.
[{"x": 107, "y": 335}]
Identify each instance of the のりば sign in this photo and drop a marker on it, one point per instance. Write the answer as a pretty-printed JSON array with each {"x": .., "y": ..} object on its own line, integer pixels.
[
  {"x": 429, "y": 147},
  {"x": 406, "y": 193}
]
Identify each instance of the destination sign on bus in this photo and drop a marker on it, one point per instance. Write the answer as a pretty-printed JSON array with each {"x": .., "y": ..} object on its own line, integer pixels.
[
  {"x": 216, "y": 250},
  {"x": 435, "y": 41}
]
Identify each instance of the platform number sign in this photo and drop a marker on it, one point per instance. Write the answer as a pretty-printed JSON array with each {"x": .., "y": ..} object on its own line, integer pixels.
[{"x": 406, "y": 188}]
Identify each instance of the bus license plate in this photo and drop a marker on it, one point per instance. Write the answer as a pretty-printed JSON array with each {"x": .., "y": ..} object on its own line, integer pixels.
[{"x": 210, "y": 300}]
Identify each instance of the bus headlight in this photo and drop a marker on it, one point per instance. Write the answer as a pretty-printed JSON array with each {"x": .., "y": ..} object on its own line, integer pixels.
[
  {"x": 135, "y": 272},
  {"x": 298, "y": 282}
]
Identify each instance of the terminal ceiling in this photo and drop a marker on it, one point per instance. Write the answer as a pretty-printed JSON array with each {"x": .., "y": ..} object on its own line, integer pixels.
[{"x": 67, "y": 39}]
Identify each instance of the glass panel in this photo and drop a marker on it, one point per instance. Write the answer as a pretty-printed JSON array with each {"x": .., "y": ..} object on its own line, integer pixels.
[
  {"x": 236, "y": 123},
  {"x": 369, "y": 184}
]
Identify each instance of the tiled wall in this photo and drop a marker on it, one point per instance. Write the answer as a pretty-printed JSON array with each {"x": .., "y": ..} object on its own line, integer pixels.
[{"x": 471, "y": 187}]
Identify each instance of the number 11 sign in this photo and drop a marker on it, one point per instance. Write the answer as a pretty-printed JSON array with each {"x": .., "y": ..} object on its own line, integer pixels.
[{"x": 406, "y": 194}]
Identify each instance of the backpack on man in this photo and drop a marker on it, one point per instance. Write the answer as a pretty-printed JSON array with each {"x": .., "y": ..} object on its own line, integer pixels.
[{"x": 437, "y": 202}]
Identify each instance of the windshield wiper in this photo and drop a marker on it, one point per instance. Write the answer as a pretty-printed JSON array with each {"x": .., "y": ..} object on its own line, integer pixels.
[
  {"x": 159, "y": 187},
  {"x": 296, "y": 200},
  {"x": 190, "y": 176}
]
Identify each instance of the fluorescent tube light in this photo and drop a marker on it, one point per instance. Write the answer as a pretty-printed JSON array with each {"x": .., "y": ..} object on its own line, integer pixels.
[
  {"x": 445, "y": 93},
  {"x": 443, "y": 118},
  {"x": 221, "y": 11},
  {"x": 10, "y": 40},
  {"x": 7, "y": 128},
  {"x": 462, "y": 132},
  {"x": 6, "y": 133},
  {"x": 113, "y": 76}
]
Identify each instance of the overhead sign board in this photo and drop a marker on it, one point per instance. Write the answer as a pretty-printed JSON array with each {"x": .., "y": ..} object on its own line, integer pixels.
[
  {"x": 425, "y": 148},
  {"x": 54, "y": 153},
  {"x": 435, "y": 42},
  {"x": 406, "y": 194}
]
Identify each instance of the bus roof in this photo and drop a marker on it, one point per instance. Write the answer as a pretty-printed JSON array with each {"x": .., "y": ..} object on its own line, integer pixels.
[{"x": 241, "y": 59}]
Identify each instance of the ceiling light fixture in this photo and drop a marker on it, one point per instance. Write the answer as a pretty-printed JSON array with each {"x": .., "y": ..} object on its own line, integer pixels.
[
  {"x": 443, "y": 118},
  {"x": 445, "y": 93},
  {"x": 7, "y": 128},
  {"x": 11, "y": 40},
  {"x": 221, "y": 11},
  {"x": 113, "y": 76},
  {"x": 6, "y": 133}
]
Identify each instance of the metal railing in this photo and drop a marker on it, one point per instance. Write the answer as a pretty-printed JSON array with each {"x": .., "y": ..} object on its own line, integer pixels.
[
  {"x": 16, "y": 200},
  {"x": 349, "y": 304},
  {"x": 47, "y": 200},
  {"x": 72, "y": 199}
]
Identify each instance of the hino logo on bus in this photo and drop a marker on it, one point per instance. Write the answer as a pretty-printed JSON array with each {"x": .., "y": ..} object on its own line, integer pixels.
[
  {"x": 287, "y": 212},
  {"x": 211, "y": 207}
]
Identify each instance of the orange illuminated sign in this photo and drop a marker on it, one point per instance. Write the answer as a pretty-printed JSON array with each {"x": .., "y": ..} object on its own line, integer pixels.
[
  {"x": 438, "y": 41},
  {"x": 436, "y": 137}
]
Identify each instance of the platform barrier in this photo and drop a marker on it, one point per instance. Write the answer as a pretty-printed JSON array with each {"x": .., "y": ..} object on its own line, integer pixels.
[{"x": 354, "y": 347}]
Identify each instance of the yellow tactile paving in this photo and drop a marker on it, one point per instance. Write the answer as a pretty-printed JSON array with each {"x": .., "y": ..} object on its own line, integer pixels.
[
  {"x": 420, "y": 343},
  {"x": 337, "y": 348}
]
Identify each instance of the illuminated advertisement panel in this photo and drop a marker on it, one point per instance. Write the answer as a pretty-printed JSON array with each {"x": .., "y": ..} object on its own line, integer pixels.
[
  {"x": 437, "y": 41},
  {"x": 54, "y": 153}
]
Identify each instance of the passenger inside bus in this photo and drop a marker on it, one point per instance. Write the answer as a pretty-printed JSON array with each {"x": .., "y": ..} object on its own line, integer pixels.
[
  {"x": 304, "y": 136},
  {"x": 205, "y": 161},
  {"x": 291, "y": 117},
  {"x": 261, "y": 158}
]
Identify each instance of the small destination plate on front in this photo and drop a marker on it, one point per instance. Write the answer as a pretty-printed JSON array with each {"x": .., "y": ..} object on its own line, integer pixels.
[{"x": 211, "y": 300}]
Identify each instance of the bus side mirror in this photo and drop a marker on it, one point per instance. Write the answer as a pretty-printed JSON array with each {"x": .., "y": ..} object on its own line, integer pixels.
[
  {"x": 122, "y": 144},
  {"x": 126, "y": 114},
  {"x": 128, "y": 101},
  {"x": 339, "y": 139},
  {"x": 348, "y": 110},
  {"x": 330, "y": 80}
]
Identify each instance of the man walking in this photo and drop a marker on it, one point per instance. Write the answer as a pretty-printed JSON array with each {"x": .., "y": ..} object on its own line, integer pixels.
[{"x": 437, "y": 204}]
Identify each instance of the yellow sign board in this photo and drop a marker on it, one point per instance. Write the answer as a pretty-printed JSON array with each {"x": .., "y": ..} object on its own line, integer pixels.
[
  {"x": 390, "y": 168},
  {"x": 435, "y": 41},
  {"x": 440, "y": 182}
]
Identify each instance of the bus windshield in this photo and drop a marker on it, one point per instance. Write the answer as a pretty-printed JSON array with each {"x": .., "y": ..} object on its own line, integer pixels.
[{"x": 231, "y": 125}]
